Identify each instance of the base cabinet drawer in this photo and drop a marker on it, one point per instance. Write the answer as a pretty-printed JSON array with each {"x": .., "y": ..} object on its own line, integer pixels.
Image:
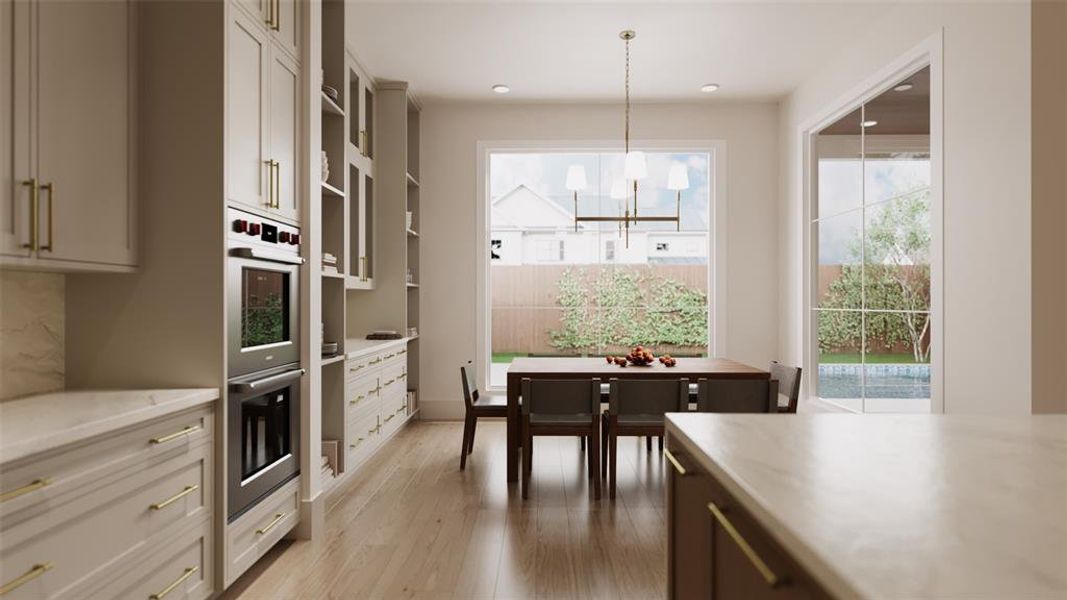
[
  {"x": 363, "y": 436},
  {"x": 253, "y": 533},
  {"x": 716, "y": 549},
  {"x": 184, "y": 570}
]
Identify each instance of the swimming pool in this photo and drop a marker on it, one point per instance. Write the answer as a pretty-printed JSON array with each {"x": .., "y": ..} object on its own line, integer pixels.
[{"x": 874, "y": 381}]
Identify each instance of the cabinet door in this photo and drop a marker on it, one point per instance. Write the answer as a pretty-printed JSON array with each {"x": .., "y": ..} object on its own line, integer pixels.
[
  {"x": 246, "y": 113},
  {"x": 287, "y": 30},
  {"x": 15, "y": 119},
  {"x": 689, "y": 534},
  {"x": 84, "y": 131},
  {"x": 285, "y": 133},
  {"x": 257, "y": 9}
]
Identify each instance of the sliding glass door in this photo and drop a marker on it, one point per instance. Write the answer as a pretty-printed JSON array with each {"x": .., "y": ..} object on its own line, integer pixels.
[{"x": 871, "y": 224}]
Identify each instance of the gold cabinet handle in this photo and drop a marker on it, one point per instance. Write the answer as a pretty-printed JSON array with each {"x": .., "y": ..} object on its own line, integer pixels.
[
  {"x": 404, "y": 351},
  {"x": 363, "y": 137},
  {"x": 388, "y": 356},
  {"x": 277, "y": 519},
  {"x": 373, "y": 429},
  {"x": 768, "y": 575},
  {"x": 363, "y": 268},
  {"x": 36, "y": 484},
  {"x": 357, "y": 399},
  {"x": 188, "y": 429},
  {"x": 273, "y": 183},
  {"x": 34, "y": 572},
  {"x": 390, "y": 417},
  {"x": 390, "y": 382},
  {"x": 277, "y": 25},
  {"x": 170, "y": 588},
  {"x": 358, "y": 442},
  {"x": 189, "y": 489},
  {"x": 674, "y": 461},
  {"x": 277, "y": 184},
  {"x": 376, "y": 390},
  {"x": 376, "y": 361},
  {"x": 51, "y": 189},
  {"x": 355, "y": 368},
  {"x": 35, "y": 223}
]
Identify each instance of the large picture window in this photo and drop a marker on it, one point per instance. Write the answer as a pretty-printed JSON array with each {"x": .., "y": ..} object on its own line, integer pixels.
[
  {"x": 561, "y": 287},
  {"x": 873, "y": 238}
]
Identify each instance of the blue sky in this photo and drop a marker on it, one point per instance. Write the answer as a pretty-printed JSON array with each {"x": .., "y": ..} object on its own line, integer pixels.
[{"x": 546, "y": 174}]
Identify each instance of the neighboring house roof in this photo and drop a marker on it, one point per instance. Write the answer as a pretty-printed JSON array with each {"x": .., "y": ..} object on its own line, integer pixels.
[{"x": 525, "y": 209}]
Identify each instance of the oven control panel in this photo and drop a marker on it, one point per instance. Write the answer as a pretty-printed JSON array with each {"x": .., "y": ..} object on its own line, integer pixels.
[{"x": 247, "y": 228}]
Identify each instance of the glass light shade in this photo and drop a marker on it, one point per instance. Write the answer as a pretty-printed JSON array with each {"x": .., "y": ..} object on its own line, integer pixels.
[
  {"x": 618, "y": 189},
  {"x": 635, "y": 168},
  {"x": 678, "y": 177},
  {"x": 576, "y": 178}
]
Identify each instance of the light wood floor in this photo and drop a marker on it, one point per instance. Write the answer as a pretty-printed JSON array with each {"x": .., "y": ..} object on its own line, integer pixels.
[{"x": 410, "y": 524}]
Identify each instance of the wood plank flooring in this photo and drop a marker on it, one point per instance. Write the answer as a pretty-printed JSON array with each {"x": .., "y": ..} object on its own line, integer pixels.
[{"x": 410, "y": 524}]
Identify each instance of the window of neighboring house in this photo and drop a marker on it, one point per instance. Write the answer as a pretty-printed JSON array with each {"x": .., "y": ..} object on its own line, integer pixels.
[
  {"x": 568, "y": 295},
  {"x": 872, "y": 238}
]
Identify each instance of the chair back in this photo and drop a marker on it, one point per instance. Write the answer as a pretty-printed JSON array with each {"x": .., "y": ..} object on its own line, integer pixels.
[
  {"x": 648, "y": 396},
  {"x": 560, "y": 397},
  {"x": 737, "y": 395},
  {"x": 788, "y": 379},
  {"x": 470, "y": 388}
]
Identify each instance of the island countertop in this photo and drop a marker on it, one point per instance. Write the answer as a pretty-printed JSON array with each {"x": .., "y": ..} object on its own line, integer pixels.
[
  {"x": 900, "y": 506},
  {"x": 44, "y": 422}
]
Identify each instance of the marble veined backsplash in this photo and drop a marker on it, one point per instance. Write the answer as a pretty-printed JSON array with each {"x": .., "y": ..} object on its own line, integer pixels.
[{"x": 32, "y": 322}]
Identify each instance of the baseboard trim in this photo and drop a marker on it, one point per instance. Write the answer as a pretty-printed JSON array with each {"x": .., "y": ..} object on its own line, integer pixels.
[
  {"x": 312, "y": 518},
  {"x": 441, "y": 410}
]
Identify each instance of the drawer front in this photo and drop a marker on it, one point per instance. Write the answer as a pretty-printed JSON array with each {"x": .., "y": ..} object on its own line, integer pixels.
[
  {"x": 394, "y": 380},
  {"x": 44, "y": 483},
  {"x": 359, "y": 367},
  {"x": 363, "y": 438},
  {"x": 182, "y": 570},
  {"x": 689, "y": 533},
  {"x": 255, "y": 532},
  {"x": 394, "y": 357},
  {"x": 108, "y": 528},
  {"x": 363, "y": 398}
]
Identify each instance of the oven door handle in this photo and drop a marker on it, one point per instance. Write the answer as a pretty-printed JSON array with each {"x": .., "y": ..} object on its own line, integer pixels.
[
  {"x": 262, "y": 254},
  {"x": 245, "y": 387}
]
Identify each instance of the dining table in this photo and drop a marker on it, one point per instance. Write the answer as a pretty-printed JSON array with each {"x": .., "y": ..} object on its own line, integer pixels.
[{"x": 693, "y": 369}]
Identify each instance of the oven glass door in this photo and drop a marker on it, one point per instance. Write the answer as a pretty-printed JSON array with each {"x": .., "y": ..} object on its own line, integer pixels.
[
  {"x": 265, "y": 431},
  {"x": 265, "y": 306}
]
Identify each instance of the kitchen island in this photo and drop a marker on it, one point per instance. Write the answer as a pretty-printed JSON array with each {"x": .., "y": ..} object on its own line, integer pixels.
[{"x": 871, "y": 506}]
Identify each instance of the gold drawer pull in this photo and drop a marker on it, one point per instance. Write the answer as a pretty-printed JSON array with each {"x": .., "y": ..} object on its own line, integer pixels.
[
  {"x": 277, "y": 519},
  {"x": 768, "y": 574},
  {"x": 674, "y": 461},
  {"x": 390, "y": 417},
  {"x": 376, "y": 361},
  {"x": 358, "y": 442},
  {"x": 170, "y": 588},
  {"x": 388, "y": 356},
  {"x": 358, "y": 398},
  {"x": 401, "y": 409},
  {"x": 356, "y": 368},
  {"x": 376, "y": 390},
  {"x": 189, "y": 489},
  {"x": 177, "y": 434},
  {"x": 373, "y": 429},
  {"x": 390, "y": 382},
  {"x": 36, "y": 484},
  {"x": 34, "y": 572},
  {"x": 404, "y": 351}
]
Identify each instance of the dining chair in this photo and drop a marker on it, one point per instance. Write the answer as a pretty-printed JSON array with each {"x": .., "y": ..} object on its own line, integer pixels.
[
  {"x": 737, "y": 395},
  {"x": 477, "y": 405},
  {"x": 635, "y": 408},
  {"x": 560, "y": 408},
  {"x": 788, "y": 379}
]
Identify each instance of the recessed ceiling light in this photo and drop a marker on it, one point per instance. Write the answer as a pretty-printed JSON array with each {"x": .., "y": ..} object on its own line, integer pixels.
[
  {"x": 501, "y": 88},
  {"x": 708, "y": 88},
  {"x": 903, "y": 87},
  {"x": 870, "y": 123}
]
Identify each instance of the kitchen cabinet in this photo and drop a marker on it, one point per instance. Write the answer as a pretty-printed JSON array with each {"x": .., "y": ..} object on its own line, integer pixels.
[
  {"x": 278, "y": 19},
  {"x": 67, "y": 138},
  {"x": 360, "y": 154},
  {"x": 262, "y": 121}
]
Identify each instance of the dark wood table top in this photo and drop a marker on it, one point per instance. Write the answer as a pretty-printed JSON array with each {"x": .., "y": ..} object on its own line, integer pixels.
[{"x": 710, "y": 368}]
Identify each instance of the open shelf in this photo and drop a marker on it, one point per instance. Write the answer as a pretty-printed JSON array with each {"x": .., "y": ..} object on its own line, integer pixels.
[
  {"x": 329, "y": 107},
  {"x": 329, "y": 190},
  {"x": 336, "y": 358},
  {"x": 337, "y": 275}
]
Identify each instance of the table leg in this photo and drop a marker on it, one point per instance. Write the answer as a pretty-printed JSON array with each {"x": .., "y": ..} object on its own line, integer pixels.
[{"x": 513, "y": 428}]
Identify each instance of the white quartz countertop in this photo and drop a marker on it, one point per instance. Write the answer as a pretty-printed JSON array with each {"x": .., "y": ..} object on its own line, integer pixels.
[
  {"x": 892, "y": 506},
  {"x": 357, "y": 347},
  {"x": 44, "y": 422}
]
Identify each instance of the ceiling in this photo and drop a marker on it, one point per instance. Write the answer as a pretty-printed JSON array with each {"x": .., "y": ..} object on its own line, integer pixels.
[
  {"x": 895, "y": 112},
  {"x": 556, "y": 51}
]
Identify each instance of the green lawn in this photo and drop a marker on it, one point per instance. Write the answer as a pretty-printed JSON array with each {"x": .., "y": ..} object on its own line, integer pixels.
[
  {"x": 506, "y": 357},
  {"x": 878, "y": 359}
]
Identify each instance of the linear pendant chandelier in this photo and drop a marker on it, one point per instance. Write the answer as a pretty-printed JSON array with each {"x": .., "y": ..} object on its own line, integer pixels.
[{"x": 634, "y": 169}]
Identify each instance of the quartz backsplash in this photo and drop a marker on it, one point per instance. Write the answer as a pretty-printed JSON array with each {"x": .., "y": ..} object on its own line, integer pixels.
[{"x": 32, "y": 324}]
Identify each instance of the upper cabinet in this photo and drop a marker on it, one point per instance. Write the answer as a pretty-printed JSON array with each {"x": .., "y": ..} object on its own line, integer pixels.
[
  {"x": 67, "y": 136},
  {"x": 262, "y": 120},
  {"x": 279, "y": 19}
]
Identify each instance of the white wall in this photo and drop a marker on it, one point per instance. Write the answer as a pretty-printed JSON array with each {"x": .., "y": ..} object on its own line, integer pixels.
[
  {"x": 450, "y": 133},
  {"x": 987, "y": 190}
]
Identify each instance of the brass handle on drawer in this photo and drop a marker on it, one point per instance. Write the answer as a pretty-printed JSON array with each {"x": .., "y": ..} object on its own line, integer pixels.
[
  {"x": 36, "y": 484},
  {"x": 189, "y": 489},
  {"x": 277, "y": 180},
  {"x": 277, "y": 25},
  {"x": 277, "y": 519},
  {"x": 35, "y": 217},
  {"x": 177, "y": 434},
  {"x": 390, "y": 417},
  {"x": 363, "y": 138},
  {"x": 363, "y": 268},
  {"x": 34, "y": 572},
  {"x": 674, "y": 461},
  {"x": 356, "y": 368},
  {"x": 768, "y": 575},
  {"x": 170, "y": 588},
  {"x": 404, "y": 351},
  {"x": 376, "y": 361},
  {"x": 376, "y": 390},
  {"x": 356, "y": 401},
  {"x": 390, "y": 382},
  {"x": 51, "y": 189},
  {"x": 388, "y": 356},
  {"x": 358, "y": 442}
]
